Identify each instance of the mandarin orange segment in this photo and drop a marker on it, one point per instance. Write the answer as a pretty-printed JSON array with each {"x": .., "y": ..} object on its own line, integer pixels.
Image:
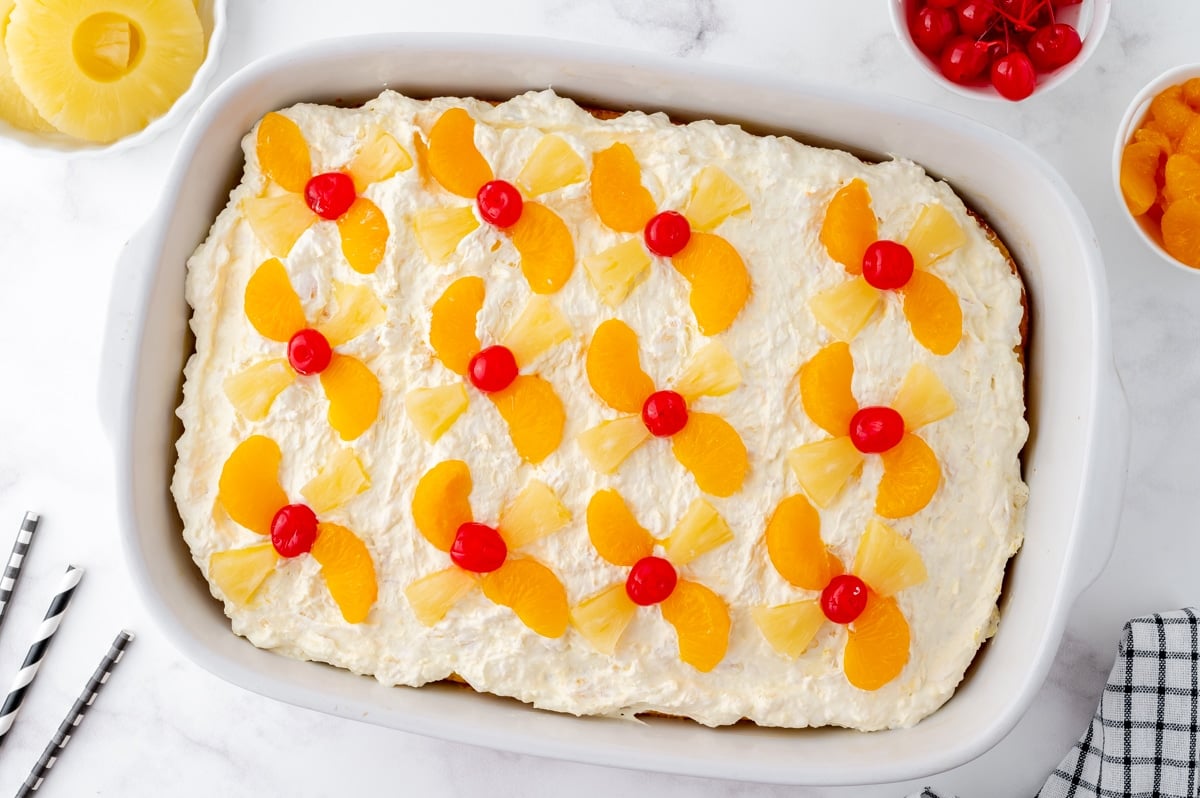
[
  {"x": 364, "y": 231},
  {"x": 614, "y": 368},
  {"x": 1191, "y": 93},
  {"x": 1182, "y": 175},
  {"x": 452, "y": 328},
  {"x": 239, "y": 573},
  {"x": 272, "y": 305},
  {"x": 547, "y": 251},
  {"x": 347, "y": 569},
  {"x": 278, "y": 221},
  {"x": 603, "y": 618},
  {"x": 790, "y": 628},
  {"x": 701, "y": 530},
  {"x": 886, "y": 561},
  {"x": 823, "y": 467},
  {"x": 607, "y": 444},
  {"x": 1139, "y": 175},
  {"x": 442, "y": 502},
  {"x": 701, "y": 622},
  {"x": 795, "y": 547},
  {"x": 1171, "y": 112},
  {"x": 431, "y": 597},
  {"x": 452, "y": 156},
  {"x": 534, "y": 415},
  {"x": 720, "y": 282},
  {"x": 249, "y": 488},
  {"x": 1189, "y": 142},
  {"x": 877, "y": 645},
  {"x": 283, "y": 153},
  {"x": 533, "y": 592},
  {"x": 1181, "y": 231},
  {"x": 1156, "y": 137},
  {"x": 933, "y": 312},
  {"x": 825, "y": 388},
  {"x": 910, "y": 478},
  {"x": 713, "y": 452},
  {"x": 353, "y": 393},
  {"x": 849, "y": 226},
  {"x": 620, "y": 199},
  {"x": 614, "y": 532}
]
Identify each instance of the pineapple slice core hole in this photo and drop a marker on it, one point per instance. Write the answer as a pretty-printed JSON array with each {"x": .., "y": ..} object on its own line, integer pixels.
[{"x": 107, "y": 46}]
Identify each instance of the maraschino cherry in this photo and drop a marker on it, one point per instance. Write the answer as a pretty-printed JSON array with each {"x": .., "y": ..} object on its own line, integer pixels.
[
  {"x": 478, "y": 548},
  {"x": 876, "y": 429},
  {"x": 844, "y": 598},
  {"x": 309, "y": 352},
  {"x": 329, "y": 195},
  {"x": 664, "y": 413},
  {"x": 293, "y": 530},
  {"x": 500, "y": 203},
  {"x": 651, "y": 580},
  {"x": 667, "y": 233},
  {"x": 493, "y": 369}
]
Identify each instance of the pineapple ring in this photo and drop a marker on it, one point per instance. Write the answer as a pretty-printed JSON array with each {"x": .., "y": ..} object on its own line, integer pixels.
[{"x": 100, "y": 71}]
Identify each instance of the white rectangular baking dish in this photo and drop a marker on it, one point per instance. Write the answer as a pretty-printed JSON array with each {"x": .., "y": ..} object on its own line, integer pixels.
[{"x": 1075, "y": 461}]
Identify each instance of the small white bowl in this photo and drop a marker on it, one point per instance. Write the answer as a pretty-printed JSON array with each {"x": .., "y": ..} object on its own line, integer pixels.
[
  {"x": 212, "y": 19},
  {"x": 1133, "y": 117},
  {"x": 1090, "y": 18}
]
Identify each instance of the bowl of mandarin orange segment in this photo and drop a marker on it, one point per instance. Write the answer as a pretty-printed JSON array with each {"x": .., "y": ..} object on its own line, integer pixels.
[
  {"x": 98, "y": 76},
  {"x": 1156, "y": 165}
]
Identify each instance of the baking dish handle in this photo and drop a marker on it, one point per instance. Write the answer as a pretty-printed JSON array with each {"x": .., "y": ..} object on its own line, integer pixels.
[
  {"x": 1101, "y": 516},
  {"x": 118, "y": 351}
]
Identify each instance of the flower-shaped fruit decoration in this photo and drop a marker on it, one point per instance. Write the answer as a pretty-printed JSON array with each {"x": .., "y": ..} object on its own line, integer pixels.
[
  {"x": 705, "y": 444},
  {"x": 296, "y": 199},
  {"x": 699, "y": 615},
  {"x": 482, "y": 556},
  {"x": 877, "y": 640},
  {"x": 274, "y": 309},
  {"x": 910, "y": 469},
  {"x": 250, "y": 493},
  {"x": 540, "y": 237},
  {"x": 527, "y": 402},
  {"x": 718, "y": 276},
  {"x": 877, "y": 266}
]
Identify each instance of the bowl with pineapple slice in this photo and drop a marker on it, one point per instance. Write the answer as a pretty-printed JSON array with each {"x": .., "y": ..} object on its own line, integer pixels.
[{"x": 87, "y": 77}]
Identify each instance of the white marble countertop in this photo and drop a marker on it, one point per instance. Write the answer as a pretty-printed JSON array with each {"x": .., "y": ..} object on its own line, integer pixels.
[{"x": 165, "y": 727}]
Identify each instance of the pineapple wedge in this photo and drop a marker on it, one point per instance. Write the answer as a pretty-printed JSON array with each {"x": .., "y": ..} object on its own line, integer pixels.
[
  {"x": 712, "y": 371},
  {"x": 439, "y": 230},
  {"x": 552, "y": 165},
  {"x": 239, "y": 573},
  {"x": 823, "y": 467},
  {"x": 701, "y": 530},
  {"x": 846, "y": 308},
  {"x": 357, "y": 310},
  {"x": 886, "y": 561},
  {"x": 380, "y": 157},
  {"x": 539, "y": 327},
  {"x": 790, "y": 628},
  {"x": 603, "y": 618},
  {"x": 535, "y": 513},
  {"x": 934, "y": 235},
  {"x": 715, "y": 197},
  {"x": 615, "y": 271},
  {"x": 608, "y": 444},
  {"x": 434, "y": 410},
  {"x": 278, "y": 221},
  {"x": 432, "y": 596},
  {"x": 252, "y": 391},
  {"x": 922, "y": 398},
  {"x": 341, "y": 480}
]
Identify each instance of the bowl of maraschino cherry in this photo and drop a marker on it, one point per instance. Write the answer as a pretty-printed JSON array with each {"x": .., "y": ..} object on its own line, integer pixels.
[{"x": 1000, "y": 49}]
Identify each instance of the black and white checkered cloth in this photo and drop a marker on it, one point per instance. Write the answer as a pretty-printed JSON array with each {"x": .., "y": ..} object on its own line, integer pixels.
[{"x": 1144, "y": 740}]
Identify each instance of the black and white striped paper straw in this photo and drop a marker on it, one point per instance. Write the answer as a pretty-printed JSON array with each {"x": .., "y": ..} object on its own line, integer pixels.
[
  {"x": 12, "y": 571},
  {"x": 65, "y": 729},
  {"x": 37, "y": 651}
]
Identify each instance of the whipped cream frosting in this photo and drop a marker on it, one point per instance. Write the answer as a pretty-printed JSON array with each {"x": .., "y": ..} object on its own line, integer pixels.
[{"x": 965, "y": 536}]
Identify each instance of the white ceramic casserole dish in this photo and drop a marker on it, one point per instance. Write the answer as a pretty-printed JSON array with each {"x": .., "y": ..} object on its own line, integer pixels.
[{"x": 1075, "y": 461}]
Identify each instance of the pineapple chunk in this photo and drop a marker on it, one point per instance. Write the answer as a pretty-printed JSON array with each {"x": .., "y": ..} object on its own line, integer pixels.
[
  {"x": 603, "y": 618},
  {"x": 432, "y": 596},
  {"x": 539, "y": 327},
  {"x": 339, "y": 482},
  {"x": 608, "y": 444},
  {"x": 552, "y": 165},
  {"x": 278, "y": 221},
  {"x": 615, "y": 271},
  {"x": 15, "y": 107},
  {"x": 239, "y": 573},
  {"x": 712, "y": 371},
  {"x": 434, "y": 410},
  {"x": 439, "y": 230},
  {"x": 934, "y": 235},
  {"x": 380, "y": 157},
  {"x": 790, "y": 628},
  {"x": 535, "y": 513},
  {"x": 701, "y": 530},
  {"x": 922, "y": 398},
  {"x": 823, "y": 467},
  {"x": 846, "y": 308},
  {"x": 886, "y": 561},
  {"x": 715, "y": 197},
  {"x": 252, "y": 391},
  {"x": 358, "y": 310}
]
